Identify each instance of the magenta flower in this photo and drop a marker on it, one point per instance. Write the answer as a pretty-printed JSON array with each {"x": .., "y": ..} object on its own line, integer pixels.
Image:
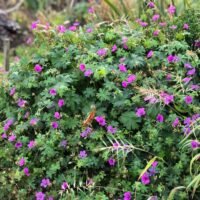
[
  {"x": 88, "y": 73},
  {"x": 156, "y": 32},
  {"x": 89, "y": 30},
  {"x": 3, "y": 136},
  {"x": 127, "y": 196},
  {"x": 188, "y": 99},
  {"x": 61, "y": 29},
  {"x": 21, "y": 162},
  {"x": 34, "y": 121},
  {"x": 124, "y": 84},
  {"x": 186, "y": 26},
  {"x": 38, "y": 68},
  {"x": 188, "y": 66},
  {"x": 54, "y": 125},
  {"x": 175, "y": 123},
  {"x": 116, "y": 145},
  {"x": 102, "y": 52},
  {"x": 111, "y": 129},
  {"x": 91, "y": 10},
  {"x": 168, "y": 77},
  {"x": 187, "y": 80},
  {"x": 31, "y": 144},
  {"x": 114, "y": 48},
  {"x": 26, "y": 171},
  {"x": 12, "y": 91},
  {"x": 144, "y": 24},
  {"x": 155, "y": 163},
  {"x": 171, "y": 9},
  {"x": 140, "y": 112},
  {"x": 61, "y": 103},
  {"x": 72, "y": 28},
  {"x": 131, "y": 78},
  {"x": 18, "y": 145},
  {"x": 82, "y": 67},
  {"x": 151, "y": 4},
  {"x": 191, "y": 72},
  {"x": 12, "y": 138},
  {"x": 151, "y": 99},
  {"x": 21, "y": 103},
  {"x": 45, "y": 182},
  {"x": 145, "y": 179},
  {"x": 160, "y": 118},
  {"x": 34, "y": 24},
  {"x": 52, "y": 92},
  {"x": 50, "y": 198},
  {"x": 172, "y": 59},
  {"x": 82, "y": 154},
  {"x": 155, "y": 17},
  {"x": 173, "y": 27},
  {"x": 162, "y": 24},
  {"x": 57, "y": 115},
  {"x": 150, "y": 54},
  {"x": 124, "y": 42},
  {"x": 195, "y": 87},
  {"x": 86, "y": 132},
  {"x": 40, "y": 196},
  {"x": 111, "y": 161},
  {"x": 167, "y": 98},
  {"x": 64, "y": 186},
  {"x": 101, "y": 120},
  {"x": 195, "y": 144},
  {"x": 122, "y": 68},
  {"x": 8, "y": 124}
]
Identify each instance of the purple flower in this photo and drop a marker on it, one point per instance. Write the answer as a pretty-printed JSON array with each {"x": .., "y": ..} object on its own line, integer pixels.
[
  {"x": 162, "y": 24},
  {"x": 3, "y": 136},
  {"x": 140, "y": 112},
  {"x": 186, "y": 26},
  {"x": 63, "y": 143},
  {"x": 21, "y": 103},
  {"x": 34, "y": 121},
  {"x": 175, "y": 123},
  {"x": 127, "y": 196},
  {"x": 188, "y": 66},
  {"x": 187, "y": 121},
  {"x": 12, "y": 91},
  {"x": 122, "y": 68},
  {"x": 72, "y": 28},
  {"x": 155, "y": 163},
  {"x": 91, "y": 10},
  {"x": 26, "y": 171},
  {"x": 172, "y": 59},
  {"x": 64, "y": 186},
  {"x": 191, "y": 72},
  {"x": 160, "y": 118},
  {"x": 151, "y": 99},
  {"x": 151, "y": 4},
  {"x": 50, "y": 198},
  {"x": 131, "y": 78},
  {"x": 54, "y": 125},
  {"x": 195, "y": 116},
  {"x": 111, "y": 129},
  {"x": 86, "y": 132},
  {"x": 111, "y": 161},
  {"x": 155, "y": 17},
  {"x": 187, "y": 130},
  {"x": 168, "y": 77},
  {"x": 145, "y": 179},
  {"x": 82, "y": 67},
  {"x": 124, "y": 84},
  {"x": 18, "y": 145},
  {"x": 188, "y": 99},
  {"x": 31, "y": 144},
  {"x": 57, "y": 115},
  {"x": 194, "y": 87},
  {"x": 89, "y": 30},
  {"x": 116, "y": 145},
  {"x": 45, "y": 182},
  {"x": 52, "y": 92},
  {"x": 171, "y": 9},
  {"x": 150, "y": 54},
  {"x": 102, "y": 52},
  {"x": 114, "y": 48},
  {"x": 12, "y": 138},
  {"x": 88, "y": 73},
  {"x": 40, "y": 196},
  {"x": 101, "y": 120},
  {"x": 61, "y": 103},
  {"x": 187, "y": 80},
  {"x": 26, "y": 116},
  {"x": 144, "y": 24},
  {"x": 21, "y": 162},
  {"x": 61, "y": 29},
  {"x": 167, "y": 98},
  {"x": 156, "y": 32},
  {"x": 7, "y": 125},
  {"x": 82, "y": 154},
  {"x": 195, "y": 144},
  {"x": 34, "y": 25},
  {"x": 38, "y": 68}
]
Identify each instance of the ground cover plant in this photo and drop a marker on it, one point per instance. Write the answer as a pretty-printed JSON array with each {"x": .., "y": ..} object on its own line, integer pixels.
[{"x": 107, "y": 111}]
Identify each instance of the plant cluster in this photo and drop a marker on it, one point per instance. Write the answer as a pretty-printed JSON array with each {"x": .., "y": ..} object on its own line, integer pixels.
[{"x": 103, "y": 112}]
